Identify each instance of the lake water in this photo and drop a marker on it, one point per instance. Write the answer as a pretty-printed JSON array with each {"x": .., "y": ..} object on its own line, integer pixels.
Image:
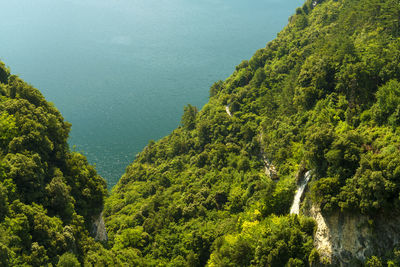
[{"x": 121, "y": 70}]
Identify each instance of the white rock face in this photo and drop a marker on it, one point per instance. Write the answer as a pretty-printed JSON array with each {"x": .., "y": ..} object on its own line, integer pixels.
[
  {"x": 343, "y": 237},
  {"x": 269, "y": 169},
  {"x": 99, "y": 229}
]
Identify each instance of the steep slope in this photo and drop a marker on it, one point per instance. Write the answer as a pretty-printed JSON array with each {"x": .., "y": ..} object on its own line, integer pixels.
[
  {"x": 48, "y": 195},
  {"x": 323, "y": 96}
]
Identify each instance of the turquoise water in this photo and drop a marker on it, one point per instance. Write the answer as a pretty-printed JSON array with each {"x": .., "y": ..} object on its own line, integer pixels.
[{"x": 121, "y": 70}]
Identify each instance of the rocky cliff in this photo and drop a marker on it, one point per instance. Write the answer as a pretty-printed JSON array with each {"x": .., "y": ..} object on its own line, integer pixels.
[
  {"x": 99, "y": 228},
  {"x": 349, "y": 239}
]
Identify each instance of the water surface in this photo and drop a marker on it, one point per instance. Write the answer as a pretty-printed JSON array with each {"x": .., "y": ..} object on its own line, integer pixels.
[{"x": 121, "y": 70}]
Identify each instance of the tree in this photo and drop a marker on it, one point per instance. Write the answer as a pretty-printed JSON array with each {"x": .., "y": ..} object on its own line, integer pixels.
[
  {"x": 3, "y": 202},
  {"x": 189, "y": 117},
  {"x": 4, "y": 73},
  {"x": 68, "y": 260},
  {"x": 215, "y": 88},
  {"x": 60, "y": 200},
  {"x": 374, "y": 262},
  {"x": 387, "y": 106},
  {"x": 8, "y": 129}
]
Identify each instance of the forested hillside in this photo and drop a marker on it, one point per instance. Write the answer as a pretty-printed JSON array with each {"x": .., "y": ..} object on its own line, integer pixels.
[
  {"x": 48, "y": 194},
  {"x": 323, "y": 96}
]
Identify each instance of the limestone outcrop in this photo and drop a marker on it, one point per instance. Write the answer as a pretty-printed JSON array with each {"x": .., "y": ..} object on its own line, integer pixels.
[{"x": 348, "y": 239}]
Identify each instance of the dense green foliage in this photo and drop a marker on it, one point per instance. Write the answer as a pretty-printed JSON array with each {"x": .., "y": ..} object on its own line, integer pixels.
[
  {"x": 48, "y": 194},
  {"x": 323, "y": 96}
]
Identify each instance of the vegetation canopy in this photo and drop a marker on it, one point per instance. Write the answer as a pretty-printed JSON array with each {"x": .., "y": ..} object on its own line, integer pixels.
[{"x": 323, "y": 96}]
